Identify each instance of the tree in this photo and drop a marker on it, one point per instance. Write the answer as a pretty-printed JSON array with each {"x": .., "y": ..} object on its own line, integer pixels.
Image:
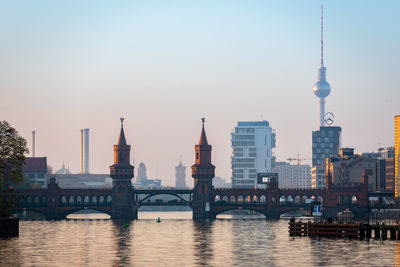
[{"x": 12, "y": 150}]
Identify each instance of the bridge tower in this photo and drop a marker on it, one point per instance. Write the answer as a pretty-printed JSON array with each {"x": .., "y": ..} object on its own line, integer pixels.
[
  {"x": 121, "y": 172},
  {"x": 203, "y": 173}
]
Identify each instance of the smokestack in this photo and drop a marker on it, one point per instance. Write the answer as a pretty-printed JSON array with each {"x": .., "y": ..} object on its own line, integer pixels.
[
  {"x": 84, "y": 150},
  {"x": 33, "y": 143}
]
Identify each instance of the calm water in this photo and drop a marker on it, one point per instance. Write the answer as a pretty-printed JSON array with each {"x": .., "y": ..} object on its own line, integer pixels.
[{"x": 178, "y": 241}]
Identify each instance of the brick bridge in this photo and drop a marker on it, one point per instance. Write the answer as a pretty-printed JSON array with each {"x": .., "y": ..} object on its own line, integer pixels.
[{"x": 123, "y": 200}]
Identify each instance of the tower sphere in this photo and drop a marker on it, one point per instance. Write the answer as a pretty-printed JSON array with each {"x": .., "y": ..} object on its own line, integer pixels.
[{"x": 321, "y": 89}]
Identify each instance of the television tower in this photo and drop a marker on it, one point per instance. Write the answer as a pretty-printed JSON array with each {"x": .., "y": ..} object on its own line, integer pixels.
[{"x": 322, "y": 88}]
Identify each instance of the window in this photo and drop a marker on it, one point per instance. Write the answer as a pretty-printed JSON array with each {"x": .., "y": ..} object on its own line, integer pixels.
[{"x": 197, "y": 155}]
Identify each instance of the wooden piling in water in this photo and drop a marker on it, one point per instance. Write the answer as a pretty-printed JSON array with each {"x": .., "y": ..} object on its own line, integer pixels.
[{"x": 342, "y": 230}]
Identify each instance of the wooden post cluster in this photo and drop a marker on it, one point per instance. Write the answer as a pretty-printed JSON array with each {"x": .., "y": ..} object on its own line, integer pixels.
[{"x": 342, "y": 230}]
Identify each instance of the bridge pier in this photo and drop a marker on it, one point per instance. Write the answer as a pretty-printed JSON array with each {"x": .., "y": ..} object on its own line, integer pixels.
[{"x": 272, "y": 214}]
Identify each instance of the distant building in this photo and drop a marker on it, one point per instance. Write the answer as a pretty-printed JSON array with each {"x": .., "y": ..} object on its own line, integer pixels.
[
  {"x": 252, "y": 144},
  {"x": 151, "y": 183},
  {"x": 387, "y": 153},
  {"x": 84, "y": 166},
  {"x": 396, "y": 155},
  {"x": 325, "y": 143},
  {"x": 142, "y": 179},
  {"x": 82, "y": 180},
  {"x": 219, "y": 182},
  {"x": 35, "y": 171},
  {"x": 63, "y": 170},
  {"x": 348, "y": 168},
  {"x": 318, "y": 177},
  {"x": 293, "y": 176},
  {"x": 142, "y": 173},
  {"x": 390, "y": 180},
  {"x": 180, "y": 175}
]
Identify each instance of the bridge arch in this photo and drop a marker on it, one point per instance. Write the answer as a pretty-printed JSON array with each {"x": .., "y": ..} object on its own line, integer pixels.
[
  {"x": 263, "y": 199},
  {"x": 225, "y": 199},
  {"x": 36, "y": 201},
  {"x": 297, "y": 200},
  {"x": 22, "y": 201},
  {"x": 339, "y": 199},
  {"x": 161, "y": 193},
  {"x": 94, "y": 200},
  {"x": 232, "y": 199},
  {"x": 256, "y": 199},
  {"x": 282, "y": 200},
  {"x": 237, "y": 208},
  {"x": 354, "y": 200},
  {"x": 29, "y": 201},
  {"x": 71, "y": 200},
  {"x": 101, "y": 200},
  {"x": 63, "y": 200},
  {"x": 79, "y": 200},
  {"x": 240, "y": 199},
  {"x": 76, "y": 209}
]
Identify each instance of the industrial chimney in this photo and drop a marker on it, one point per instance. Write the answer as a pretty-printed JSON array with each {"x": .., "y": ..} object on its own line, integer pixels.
[
  {"x": 84, "y": 150},
  {"x": 33, "y": 143}
]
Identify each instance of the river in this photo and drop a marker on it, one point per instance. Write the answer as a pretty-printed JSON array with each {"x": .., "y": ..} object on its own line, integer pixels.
[{"x": 179, "y": 241}]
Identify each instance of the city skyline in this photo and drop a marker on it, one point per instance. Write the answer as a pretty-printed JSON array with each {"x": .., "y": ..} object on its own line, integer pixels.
[{"x": 249, "y": 62}]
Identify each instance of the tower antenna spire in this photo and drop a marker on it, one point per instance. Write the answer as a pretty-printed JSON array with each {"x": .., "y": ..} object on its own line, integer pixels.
[{"x": 322, "y": 35}]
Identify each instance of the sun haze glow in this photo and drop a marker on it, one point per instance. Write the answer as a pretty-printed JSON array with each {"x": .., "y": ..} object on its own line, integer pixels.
[{"x": 163, "y": 65}]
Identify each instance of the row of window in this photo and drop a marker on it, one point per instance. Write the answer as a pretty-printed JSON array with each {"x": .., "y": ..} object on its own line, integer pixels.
[
  {"x": 243, "y": 165},
  {"x": 322, "y": 145},
  {"x": 243, "y": 143},
  {"x": 243, "y": 137},
  {"x": 244, "y": 181},
  {"x": 244, "y": 130},
  {"x": 234, "y": 160}
]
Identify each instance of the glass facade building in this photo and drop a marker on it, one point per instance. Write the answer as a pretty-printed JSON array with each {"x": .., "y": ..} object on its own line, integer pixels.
[
  {"x": 325, "y": 143},
  {"x": 252, "y": 143}
]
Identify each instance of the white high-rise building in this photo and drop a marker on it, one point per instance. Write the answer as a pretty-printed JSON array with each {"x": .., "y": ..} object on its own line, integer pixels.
[
  {"x": 293, "y": 176},
  {"x": 84, "y": 151},
  {"x": 252, "y": 144}
]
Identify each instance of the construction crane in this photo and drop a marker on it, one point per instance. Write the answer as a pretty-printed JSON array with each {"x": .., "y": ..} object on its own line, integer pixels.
[{"x": 298, "y": 159}]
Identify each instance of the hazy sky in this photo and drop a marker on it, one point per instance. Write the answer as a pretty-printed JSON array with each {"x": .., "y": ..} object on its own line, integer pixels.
[{"x": 163, "y": 65}]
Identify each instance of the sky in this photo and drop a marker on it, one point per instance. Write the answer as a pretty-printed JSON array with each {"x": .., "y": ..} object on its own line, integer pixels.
[{"x": 163, "y": 65}]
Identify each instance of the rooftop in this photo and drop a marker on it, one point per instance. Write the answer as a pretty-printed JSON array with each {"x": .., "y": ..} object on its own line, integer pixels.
[
  {"x": 35, "y": 164},
  {"x": 252, "y": 123}
]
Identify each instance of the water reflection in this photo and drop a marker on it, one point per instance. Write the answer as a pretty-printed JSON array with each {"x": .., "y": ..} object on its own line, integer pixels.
[
  {"x": 122, "y": 237},
  {"x": 397, "y": 254},
  {"x": 203, "y": 242},
  {"x": 184, "y": 242}
]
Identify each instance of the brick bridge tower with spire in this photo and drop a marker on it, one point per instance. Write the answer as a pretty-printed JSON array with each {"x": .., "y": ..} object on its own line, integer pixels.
[
  {"x": 203, "y": 173},
  {"x": 121, "y": 172}
]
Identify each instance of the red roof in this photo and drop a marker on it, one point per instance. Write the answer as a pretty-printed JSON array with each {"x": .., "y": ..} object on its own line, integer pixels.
[
  {"x": 121, "y": 139},
  {"x": 203, "y": 138},
  {"x": 35, "y": 165}
]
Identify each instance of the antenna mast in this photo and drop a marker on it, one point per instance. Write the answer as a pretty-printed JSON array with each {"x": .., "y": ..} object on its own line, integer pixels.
[{"x": 322, "y": 35}]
